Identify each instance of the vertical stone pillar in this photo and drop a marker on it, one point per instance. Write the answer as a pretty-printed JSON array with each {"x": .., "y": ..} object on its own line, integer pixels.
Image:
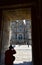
[
  {"x": 5, "y": 38},
  {"x": 0, "y": 33},
  {"x": 35, "y": 35},
  {"x": 40, "y": 18}
]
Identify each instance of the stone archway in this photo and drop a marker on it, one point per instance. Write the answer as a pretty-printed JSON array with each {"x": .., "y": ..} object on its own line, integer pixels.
[{"x": 8, "y": 16}]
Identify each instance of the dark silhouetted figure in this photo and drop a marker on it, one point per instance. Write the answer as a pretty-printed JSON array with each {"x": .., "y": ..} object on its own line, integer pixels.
[{"x": 9, "y": 58}]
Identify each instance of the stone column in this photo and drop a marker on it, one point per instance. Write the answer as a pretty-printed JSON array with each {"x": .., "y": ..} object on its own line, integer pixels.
[
  {"x": 0, "y": 33},
  {"x": 5, "y": 38}
]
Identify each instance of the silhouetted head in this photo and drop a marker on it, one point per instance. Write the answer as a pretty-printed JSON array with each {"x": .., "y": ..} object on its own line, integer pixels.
[{"x": 10, "y": 47}]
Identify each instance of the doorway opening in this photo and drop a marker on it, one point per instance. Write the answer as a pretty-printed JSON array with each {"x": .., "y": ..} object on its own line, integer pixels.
[
  {"x": 20, "y": 38},
  {"x": 17, "y": 31}
]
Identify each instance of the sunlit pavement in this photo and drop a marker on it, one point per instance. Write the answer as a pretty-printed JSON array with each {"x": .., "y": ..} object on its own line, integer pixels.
[{"x": 23, "y": 55}]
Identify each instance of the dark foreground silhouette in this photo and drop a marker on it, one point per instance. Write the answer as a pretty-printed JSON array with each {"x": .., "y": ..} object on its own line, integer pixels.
[{"x": 9, "y": 58}]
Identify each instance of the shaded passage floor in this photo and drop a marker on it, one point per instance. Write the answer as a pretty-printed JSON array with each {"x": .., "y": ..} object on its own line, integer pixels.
[{"x": 25, "y": 63}]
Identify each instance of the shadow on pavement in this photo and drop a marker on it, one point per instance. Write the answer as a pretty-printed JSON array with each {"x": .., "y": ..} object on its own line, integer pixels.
[{"x": 24, "y": 63}]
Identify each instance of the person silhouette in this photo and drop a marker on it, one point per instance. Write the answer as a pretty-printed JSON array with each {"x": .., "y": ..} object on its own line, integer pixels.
[{"x": 9, "y": 58}]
